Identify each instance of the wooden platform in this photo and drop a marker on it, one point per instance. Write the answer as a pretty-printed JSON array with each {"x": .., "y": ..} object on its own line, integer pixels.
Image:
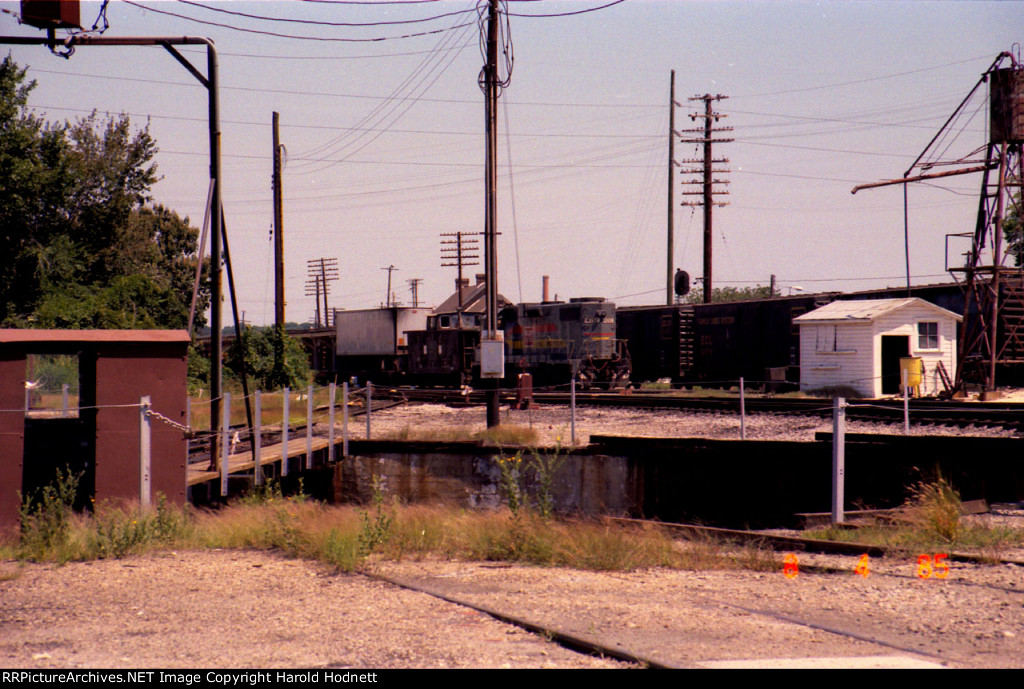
[{"x": 269, "y": 454}]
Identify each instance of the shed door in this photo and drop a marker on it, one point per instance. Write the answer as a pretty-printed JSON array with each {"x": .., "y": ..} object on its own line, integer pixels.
[{"x": 894, "y": 347}]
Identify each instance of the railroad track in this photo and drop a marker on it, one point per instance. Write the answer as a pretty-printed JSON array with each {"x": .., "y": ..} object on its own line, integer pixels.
[
  {"x": 805, "y": 545},
  {"x": 1008, "y": 415}
]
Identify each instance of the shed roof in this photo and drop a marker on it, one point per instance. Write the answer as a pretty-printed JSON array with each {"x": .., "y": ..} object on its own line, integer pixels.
[
  {"x": 867, "y": 310},
  {"x": 125, "y": 336}
]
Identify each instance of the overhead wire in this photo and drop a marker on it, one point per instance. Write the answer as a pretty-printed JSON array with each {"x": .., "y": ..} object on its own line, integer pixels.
[
  {"x": 275, "y": 34},
  {"x": 319, "y": 22}
]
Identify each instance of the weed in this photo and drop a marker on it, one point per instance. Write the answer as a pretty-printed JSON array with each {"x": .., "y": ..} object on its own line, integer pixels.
[
  {"x": 545, "y": 464},
  {"x": 935, "y": 508},
  {"x": 512, "y": 480},
  {"x": 117, "y": 532},
  {"x": 46, "y": 518},
  {"x": 376, "y": 530}
]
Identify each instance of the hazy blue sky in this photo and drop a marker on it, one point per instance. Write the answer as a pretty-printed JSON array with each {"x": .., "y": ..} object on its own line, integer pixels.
[{"x": 385, "y": 138}]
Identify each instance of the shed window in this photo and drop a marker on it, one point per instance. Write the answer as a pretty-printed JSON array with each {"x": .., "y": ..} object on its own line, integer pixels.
[
  {"x": 826, "y": 338},
  {"x": 928, "y": 335}
]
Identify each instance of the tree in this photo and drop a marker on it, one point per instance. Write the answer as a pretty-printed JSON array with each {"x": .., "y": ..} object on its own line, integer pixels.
[
  {"x": 257, "y": 349},
  {"x": 81, "y": 246},
  {"x": 696, "y": 295}
]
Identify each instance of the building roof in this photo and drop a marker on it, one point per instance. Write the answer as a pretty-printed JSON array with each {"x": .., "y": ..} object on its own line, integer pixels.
[
  {"x": 32, "y": 335},
  {"x": 867, "y": 310},
  {"x": 474, "y": 300}
]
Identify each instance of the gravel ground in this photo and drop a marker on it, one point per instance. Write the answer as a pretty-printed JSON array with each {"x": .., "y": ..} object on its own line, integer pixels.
[
  {"x": 553, "y": 423},
  {"x": 254, "y": 610}
]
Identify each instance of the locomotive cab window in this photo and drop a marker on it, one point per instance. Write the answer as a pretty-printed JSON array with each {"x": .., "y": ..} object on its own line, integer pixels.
[{"x": 928, "y": 335}]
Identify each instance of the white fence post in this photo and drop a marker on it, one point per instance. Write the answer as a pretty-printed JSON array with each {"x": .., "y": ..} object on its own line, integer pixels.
[
  {"x": 257, "y": 440},
  {"x": 225, "y": 448},
  {"x": 188, "y": 422},
  {"x": 330, "y": 417},
  {"x": 838, "y": 460},
  {"x": 344, "y": 419},
  {"x": 145, "y": 457},
  {"x": 284, "y": 433},
  {"x": 64, "y": 387},
  {"x": 309, "y": 427},
  {"x": 743, "y": 412}
]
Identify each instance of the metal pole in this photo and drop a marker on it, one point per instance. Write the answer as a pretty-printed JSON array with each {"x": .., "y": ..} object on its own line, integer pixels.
[
  {"x": 344, "y": 419},
  {"x": 838, "y": 460},
  {"x": 369, "y": 404},
  {"x": 284, "y": 433},
  {"x": 225, "y": 426},
  {"x": 332, "y": 392},
  {"x": 743, "y": 412},
  {"x": 145, "y": 478},
  {"x": 64, "y": 398},
  {"x": 309, "y": 427},
  {"x": 257, "y": 441},
  {"x": 188, "y": 422}
]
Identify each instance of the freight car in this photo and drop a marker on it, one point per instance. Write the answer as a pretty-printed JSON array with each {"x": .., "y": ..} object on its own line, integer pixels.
[
  {"x": 373, "y": 343},
  {"x": 716, "y": 344}
]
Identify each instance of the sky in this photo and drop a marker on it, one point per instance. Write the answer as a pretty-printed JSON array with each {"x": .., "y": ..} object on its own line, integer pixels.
[{"x": 384, "y": 139}]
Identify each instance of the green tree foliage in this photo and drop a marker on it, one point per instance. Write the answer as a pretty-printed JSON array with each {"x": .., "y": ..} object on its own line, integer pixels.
[
  {"x": 81, "y": 246},
  {"x": 696, "y": 295},
  {"x": 257, "y": 351}
]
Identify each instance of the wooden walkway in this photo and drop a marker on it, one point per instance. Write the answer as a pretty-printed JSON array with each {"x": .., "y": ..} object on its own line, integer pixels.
[{"x": 269, "y": 454}]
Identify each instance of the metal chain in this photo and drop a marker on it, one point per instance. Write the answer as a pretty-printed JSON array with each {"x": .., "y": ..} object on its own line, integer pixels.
[{"x": 174, "y": 424}]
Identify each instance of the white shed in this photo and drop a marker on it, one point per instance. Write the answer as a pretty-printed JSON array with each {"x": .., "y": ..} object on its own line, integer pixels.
[{"x": 859, "y": 344}]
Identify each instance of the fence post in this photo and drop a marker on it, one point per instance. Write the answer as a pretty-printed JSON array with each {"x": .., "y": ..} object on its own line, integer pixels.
[
  {"x": 257, "y": 441},
  {"x": 572, "y": 407},
  {"x": 188, "y": 422},
  {"x": 330, "y": 419},
  {"x": 838, "y": 460},
  {"x": 145, "y": 482},
  {"x": 369, "y": 403},
  {"x": 64, "y": 399},
  {"x": 344, "y": 419},
  {"x": 284, "y": 433},
  {"x": 906, "y": 403},
  {"x": 743, "y": 412},
  {"x": 309, "y": 427},
  {"x": 225, "y": 427}
]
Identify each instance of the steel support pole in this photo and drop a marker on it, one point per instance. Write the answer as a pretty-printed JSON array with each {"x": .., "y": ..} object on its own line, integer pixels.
[
  {"x": 838, "y": 460},
  {"x": 670, "y": 253},
  {"x": 145, "y": 453}
]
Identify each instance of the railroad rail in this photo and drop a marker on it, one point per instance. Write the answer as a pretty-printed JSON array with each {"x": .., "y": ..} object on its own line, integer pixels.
[
  {"x": 1009, "y": 415},
  {"x": 796, "y": 543}
]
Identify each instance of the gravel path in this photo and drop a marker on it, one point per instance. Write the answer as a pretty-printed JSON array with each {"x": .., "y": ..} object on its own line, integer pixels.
[
  {"x": 552, "y": 423},
  {"x": 259, "y": 610}
]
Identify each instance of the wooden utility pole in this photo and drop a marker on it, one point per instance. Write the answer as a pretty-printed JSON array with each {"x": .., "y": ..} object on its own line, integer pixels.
[
  {"x": 387, "y": 297},
  {"x": 669, "y": 269},
  {"x": 707, "y": 181},
  {"x": 460, "y": 253},
  {"x": 278, "y": 232},
  {"x": 491, "y": 86}
]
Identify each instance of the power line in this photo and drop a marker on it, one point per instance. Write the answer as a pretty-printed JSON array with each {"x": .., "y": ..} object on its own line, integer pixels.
[
  {"x": 566, "y": 14},
  {"x": 318, "y": 22},
  {"x": 292, "y": 36}
]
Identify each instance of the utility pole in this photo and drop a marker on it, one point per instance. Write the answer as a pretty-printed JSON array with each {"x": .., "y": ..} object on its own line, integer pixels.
[
  {"x": 387, "y": 297},
  {"x": 708, "y": 182},
  {"x": 319, "y": 273},
  {"x": 460, "y": 254},
  {"x": 278, "y": 231},
  {"x": 669, "y": 270},
  {"x": 414, "y": 286},
  {"x": 491, "y": 86}
]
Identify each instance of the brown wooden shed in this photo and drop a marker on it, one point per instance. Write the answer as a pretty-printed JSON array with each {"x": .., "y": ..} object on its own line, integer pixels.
[{"x": 100, "y": 435}]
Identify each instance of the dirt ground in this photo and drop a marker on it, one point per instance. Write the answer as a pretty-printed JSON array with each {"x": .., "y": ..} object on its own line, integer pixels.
[{"x": 241, "y": 609}]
